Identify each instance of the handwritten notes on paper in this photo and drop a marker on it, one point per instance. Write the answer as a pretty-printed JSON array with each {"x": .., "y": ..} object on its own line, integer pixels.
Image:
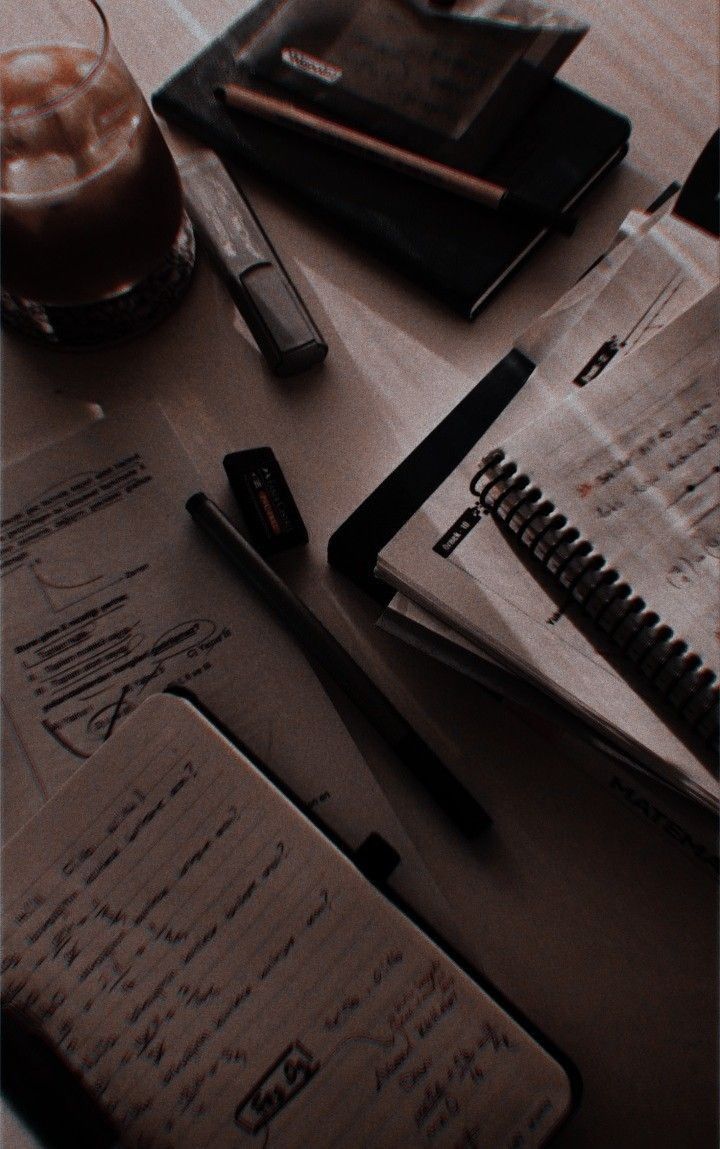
[
  {"x": 91, "y": 626},
  {"x": 656, "y": 525},
  {"x": 634, "y": 466},
  {"x": 77, "y": 496},
  {"x": 221, "y": 975},
  {"x": 110, "y": 594}
]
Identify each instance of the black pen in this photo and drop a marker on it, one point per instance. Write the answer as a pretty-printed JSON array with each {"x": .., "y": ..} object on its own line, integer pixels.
[
  {"x": 320, "y": 645},
  {"x": 45, "y": 1092}
]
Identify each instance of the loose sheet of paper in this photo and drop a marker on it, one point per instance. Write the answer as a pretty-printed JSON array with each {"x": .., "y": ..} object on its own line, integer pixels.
[
  {"x": 655, "y": 272},
  {"x": 221, "y": 975},
  {"x": 110, "y": 593}
]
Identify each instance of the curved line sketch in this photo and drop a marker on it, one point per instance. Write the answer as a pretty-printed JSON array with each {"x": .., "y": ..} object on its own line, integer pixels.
[{"x": 66, "y": 585}]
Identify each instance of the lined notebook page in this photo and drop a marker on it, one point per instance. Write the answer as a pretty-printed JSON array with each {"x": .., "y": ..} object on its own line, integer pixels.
[
  {"x": 222, "y": 975},
  {"x": 633, "y": 464}
]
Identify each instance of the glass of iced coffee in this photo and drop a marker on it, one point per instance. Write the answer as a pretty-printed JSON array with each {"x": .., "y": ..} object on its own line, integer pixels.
[{"x": 95, "y": 244}]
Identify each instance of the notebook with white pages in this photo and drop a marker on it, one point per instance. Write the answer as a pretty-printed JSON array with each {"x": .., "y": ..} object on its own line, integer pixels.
[
  {"x": 630, "y": 465},
  {"x": 617, "y": 496},
  {"x": 220, "y": 973}
]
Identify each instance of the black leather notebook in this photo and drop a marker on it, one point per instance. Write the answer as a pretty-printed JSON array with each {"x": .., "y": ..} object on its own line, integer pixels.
[
  {"x": 455, "y": 248},
  {"x": 354, "y": 547}
]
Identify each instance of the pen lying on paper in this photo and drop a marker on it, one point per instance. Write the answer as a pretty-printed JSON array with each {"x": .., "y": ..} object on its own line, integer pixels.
[
  {"x": 259, "y": 284},
  {"x": 321, "y": 645},
  {"x": 45, "y": 1092},
  {"x": 485, "y": 192}
]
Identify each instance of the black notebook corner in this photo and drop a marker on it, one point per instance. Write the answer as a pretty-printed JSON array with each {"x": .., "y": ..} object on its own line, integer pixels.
[
  {"x": 354, "y": 547},
  {"x": 456, "y": 249}
]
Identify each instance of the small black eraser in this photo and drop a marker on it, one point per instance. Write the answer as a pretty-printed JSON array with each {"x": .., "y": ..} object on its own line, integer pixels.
[{"x": 271, "y": 516}]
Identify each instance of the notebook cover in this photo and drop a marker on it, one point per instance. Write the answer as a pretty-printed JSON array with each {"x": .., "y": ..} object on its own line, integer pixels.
[
  {"x": 456, "y": 249},
  {"x": 699, "y": 200},
  {"x": 355, "y": 545}
]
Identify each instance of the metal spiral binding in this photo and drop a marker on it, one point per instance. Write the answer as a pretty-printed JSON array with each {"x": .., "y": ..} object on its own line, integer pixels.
[{"x": 690, "y": 688}]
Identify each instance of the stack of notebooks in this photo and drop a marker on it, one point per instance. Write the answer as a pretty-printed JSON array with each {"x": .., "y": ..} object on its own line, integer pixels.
[
  {"x": 566, "y": 549},
  {"x": 474, "y": 93}
]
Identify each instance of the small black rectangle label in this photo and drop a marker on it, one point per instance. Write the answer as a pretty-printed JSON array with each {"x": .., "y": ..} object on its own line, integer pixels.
[{"x": 458, "y": 531}]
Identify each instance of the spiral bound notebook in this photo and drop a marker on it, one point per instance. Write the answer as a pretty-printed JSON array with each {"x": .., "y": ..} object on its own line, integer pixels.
[
  {"x": 594, "y": 536},
  {"x": 616, "y": 495}
]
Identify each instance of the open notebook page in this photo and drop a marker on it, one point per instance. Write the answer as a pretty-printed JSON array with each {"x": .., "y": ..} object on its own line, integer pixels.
[
  {"x": 222, "y": 975},
  {"x": 633, "y": 465}
]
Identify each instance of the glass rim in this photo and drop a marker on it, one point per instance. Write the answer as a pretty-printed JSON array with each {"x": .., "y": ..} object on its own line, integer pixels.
[{"x": 48, "y": 106}]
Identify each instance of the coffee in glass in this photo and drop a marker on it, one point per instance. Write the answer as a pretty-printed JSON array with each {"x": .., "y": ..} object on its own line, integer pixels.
[{"x": 95, "y": 242}]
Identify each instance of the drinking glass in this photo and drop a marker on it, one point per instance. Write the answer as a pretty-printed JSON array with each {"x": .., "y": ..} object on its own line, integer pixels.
[{"x": 95, "y": 244}]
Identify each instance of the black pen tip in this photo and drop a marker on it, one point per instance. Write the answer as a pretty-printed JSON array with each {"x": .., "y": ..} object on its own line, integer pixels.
[{"x": 195, "y": 502}]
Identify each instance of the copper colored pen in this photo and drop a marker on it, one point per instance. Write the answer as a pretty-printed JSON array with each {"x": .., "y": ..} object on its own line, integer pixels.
[{"x": 489, "y": 194}]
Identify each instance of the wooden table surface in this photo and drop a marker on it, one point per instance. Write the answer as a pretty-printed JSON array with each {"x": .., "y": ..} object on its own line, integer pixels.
[{"x": 592, "y": 921}]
